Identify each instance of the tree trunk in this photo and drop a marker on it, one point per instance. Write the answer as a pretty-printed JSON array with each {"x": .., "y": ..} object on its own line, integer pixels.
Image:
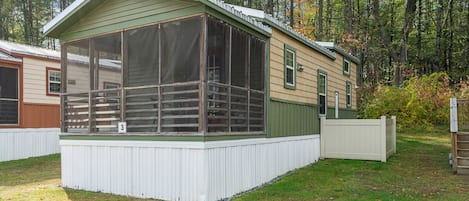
[
  {"x": 439, "y": 16},
  {"x": 292, "y": 17},
  {"x": 319, "y": 19},
  {"x": 399, "y": 60},
  {"x": 328, "y": 19},
  {"x": 270, "y": 7}
]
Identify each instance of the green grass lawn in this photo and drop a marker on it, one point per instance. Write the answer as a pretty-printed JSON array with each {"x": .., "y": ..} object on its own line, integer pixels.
[{"x": 419, "y": 171}]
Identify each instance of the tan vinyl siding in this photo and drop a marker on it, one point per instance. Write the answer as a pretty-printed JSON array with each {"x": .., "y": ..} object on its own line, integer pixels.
[
  {"x": 113, "y": 15},
  {"x": 34, "y": 81},
  {"x": 306, "y": 81}
]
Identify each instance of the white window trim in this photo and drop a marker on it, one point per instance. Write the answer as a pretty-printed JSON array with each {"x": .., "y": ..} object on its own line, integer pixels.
[
  {"x": 49, "y": 82},
  {"x": 348, "y": 69},
  {"x": 323, "y": 94},
  {"x": 291, "y": 68},
  {"x": 348, "y": 94}
]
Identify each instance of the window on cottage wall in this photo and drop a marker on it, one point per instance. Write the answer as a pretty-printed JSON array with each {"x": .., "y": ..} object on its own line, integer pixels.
[
  {"x": 290, "y": 63},
  {"x": 346, "y": 67},
  {"x": 9, "y": 103},
  {"x": 348, "y": 87},
  {"x": 77, "y": 69},
  {"x": 108, "y": 60},
  {"x": 322, "y": 93},
  {"x": 53, "y": 81},
  {"x": 142, "y": 56},
  {"x": 180, "y": 50}
]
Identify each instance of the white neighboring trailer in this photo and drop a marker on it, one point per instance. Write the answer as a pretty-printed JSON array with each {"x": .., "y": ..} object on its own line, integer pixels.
[
  {"x": 202, "y": 171},
  {"x": 21, "y": 143}
]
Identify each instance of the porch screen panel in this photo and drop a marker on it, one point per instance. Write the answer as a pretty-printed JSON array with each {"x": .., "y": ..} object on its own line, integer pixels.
[
  {"x": 78, "y": 70},
  {"x": 180, "y": 62},
  {"x": 218, "y": 40},
  {"x": 256, "y": 82},
  {"x": 239, "y": 91},
  {"x": 108, "y": 77},
  {"x": 76, "y": 102},
  {"x": 142, "y": 56},
  {"x": 143, "y": 70},
  {"x": 239, "y": 58},
  {"x": 8, "y": 96},
  {"x": 180, "y": 50}
]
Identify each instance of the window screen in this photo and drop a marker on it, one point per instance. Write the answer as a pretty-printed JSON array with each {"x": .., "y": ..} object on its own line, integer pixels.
[
  {"x": 143, "y": 56},
  {"x": 180, "y": 50},
  {"x": 8, "y": 95}
]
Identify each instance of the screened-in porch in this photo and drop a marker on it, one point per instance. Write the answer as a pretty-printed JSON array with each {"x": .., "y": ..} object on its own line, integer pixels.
[{"x": 192, "y": 76}]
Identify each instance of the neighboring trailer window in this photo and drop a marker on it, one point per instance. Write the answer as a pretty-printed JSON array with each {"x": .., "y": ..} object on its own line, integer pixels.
[
  {"x": 290, "y": 61},
  {"x": 53, "y": 81},
  {"x": 348, "y": 87},
  {"x": 346, "y": 67},
  {"x": 322, "y": 92},
  {"x": 9, "y": 103}
]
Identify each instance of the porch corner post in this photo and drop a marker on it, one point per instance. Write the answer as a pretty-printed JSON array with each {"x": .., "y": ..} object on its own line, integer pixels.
[
  {"x": 203, "y": 80},
  {"x": 322, "y": 131},
  {"x": 383, "y": 138}
]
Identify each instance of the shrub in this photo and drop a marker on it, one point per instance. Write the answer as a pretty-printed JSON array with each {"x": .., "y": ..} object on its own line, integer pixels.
[{"x": 420, "y": 102}]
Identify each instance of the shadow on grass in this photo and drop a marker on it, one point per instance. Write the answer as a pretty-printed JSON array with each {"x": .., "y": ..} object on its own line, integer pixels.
[{"x": 31, "y": 170}]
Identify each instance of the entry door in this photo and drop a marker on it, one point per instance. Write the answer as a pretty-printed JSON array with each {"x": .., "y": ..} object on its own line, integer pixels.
[{"x": 9, "y": 96}]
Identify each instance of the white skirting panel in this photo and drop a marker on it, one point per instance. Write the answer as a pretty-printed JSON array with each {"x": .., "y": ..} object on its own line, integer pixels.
[
  {"x": 20, "y": 143},
  {"x": 199, "y": 171}
]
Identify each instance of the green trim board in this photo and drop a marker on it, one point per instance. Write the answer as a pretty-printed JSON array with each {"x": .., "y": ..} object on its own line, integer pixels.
[
  {"x": 287, "y": 49},
  {"x": 290, "y": 118},
  {"x": 158, "y": 137}
]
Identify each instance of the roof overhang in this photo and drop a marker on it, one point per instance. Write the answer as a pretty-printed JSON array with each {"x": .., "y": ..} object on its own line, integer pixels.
[
  {"x": 334, "y": 47},
  {"x": 80, "y": 8}
]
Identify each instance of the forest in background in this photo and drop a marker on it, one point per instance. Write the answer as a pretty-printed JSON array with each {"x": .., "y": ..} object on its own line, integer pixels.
[
  {"x": 394, "y": 39},
  {"x": 414, "y": 53}
]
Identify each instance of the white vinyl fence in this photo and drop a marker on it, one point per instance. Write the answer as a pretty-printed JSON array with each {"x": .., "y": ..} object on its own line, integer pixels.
[
  {"x": 20, "y": 143},
  {"x": 362, "y": 139}
]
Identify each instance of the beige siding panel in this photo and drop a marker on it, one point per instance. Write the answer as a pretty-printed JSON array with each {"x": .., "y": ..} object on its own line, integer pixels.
[
  {"x": 34, "y": 81},
  {"x": 306, "y": 81}
]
